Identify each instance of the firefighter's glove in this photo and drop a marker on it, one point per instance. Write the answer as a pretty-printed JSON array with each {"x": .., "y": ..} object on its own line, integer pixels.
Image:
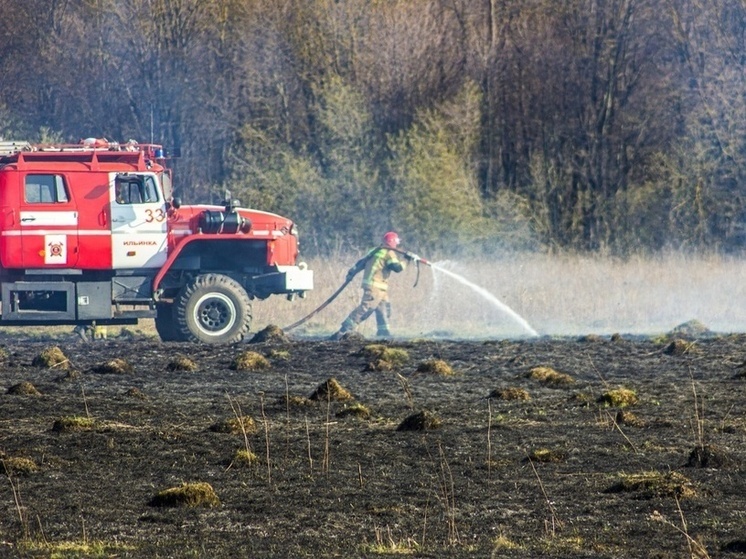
[
  {"x": 412, "y": 257},
  {"x": 351, "y": 273}
]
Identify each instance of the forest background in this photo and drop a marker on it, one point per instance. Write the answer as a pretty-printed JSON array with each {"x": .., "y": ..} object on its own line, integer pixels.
[{"x": 601, "y": 126}]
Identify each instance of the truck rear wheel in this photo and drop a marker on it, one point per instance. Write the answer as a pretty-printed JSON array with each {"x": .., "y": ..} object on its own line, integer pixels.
[
  {"x": 213, "y": 309},
  {"x": 165, "y": 323}
]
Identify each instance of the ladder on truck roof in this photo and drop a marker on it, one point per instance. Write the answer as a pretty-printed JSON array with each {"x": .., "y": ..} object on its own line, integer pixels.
[{"x": 9, "y": 147}]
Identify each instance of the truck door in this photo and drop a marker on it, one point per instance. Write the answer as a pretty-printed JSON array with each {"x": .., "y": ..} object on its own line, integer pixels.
[
  {"x": 48, "y": 220},
  {"x": 138, "y": 221}
]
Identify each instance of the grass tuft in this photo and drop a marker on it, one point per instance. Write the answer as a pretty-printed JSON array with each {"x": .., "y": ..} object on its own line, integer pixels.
[
  {"x": 24, "y": 388},
  {"x": 250, "y": 361},
  {"x": 51, "y": 357},
  {"x": 510, "y": 394},
  {"x": 618, "y": 398},
  {"x": 245, "y": 458},
  {"x": 435, "y": 367},
  {"x": 384, "y": 358},
  {"x": 654, "y": 484},
  {"x": 73, "y": 423},
  {"x": 550, "y": 377},
  {"x": 181, "y": 363},
  {"x": 18, "y": 465},
  {"x": 421, "y": 421},
  {"x": 234, "y": 426},
  {"x": 270, "y": 334},
  {"x": 198, "y": 494},
  {"x": 547, "y": 456},
  {"x": 116, "y": 366},
  {"x": 355, "y": 410},
  {"x": 331, "y": 390}
]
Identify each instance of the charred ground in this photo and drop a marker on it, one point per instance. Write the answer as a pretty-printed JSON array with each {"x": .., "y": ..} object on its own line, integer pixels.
[{"x": 497, "y": 461}]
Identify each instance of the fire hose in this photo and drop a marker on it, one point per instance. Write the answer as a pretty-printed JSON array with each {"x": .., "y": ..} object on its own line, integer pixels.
[{"x": 409, "y": 255}]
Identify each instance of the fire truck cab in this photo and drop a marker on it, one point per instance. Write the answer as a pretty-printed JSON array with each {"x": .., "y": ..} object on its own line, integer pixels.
[{"x": 90, "y": 235}]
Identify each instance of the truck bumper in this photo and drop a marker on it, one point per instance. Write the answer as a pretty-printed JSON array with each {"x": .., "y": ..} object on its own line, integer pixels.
[{"x": 287, "y": 279}]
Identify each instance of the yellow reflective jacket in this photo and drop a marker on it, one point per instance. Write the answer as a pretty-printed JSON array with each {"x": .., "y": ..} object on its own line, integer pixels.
[{"x": 378, "y": 263}]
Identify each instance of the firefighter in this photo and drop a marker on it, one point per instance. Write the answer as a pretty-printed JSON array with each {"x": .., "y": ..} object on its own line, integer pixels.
[{"x": 377, "y": 265}]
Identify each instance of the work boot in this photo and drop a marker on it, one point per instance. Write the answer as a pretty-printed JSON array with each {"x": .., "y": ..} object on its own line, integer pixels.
[
  {"x": 383, "y": 333},
  {"x": 337, "y": 336}
]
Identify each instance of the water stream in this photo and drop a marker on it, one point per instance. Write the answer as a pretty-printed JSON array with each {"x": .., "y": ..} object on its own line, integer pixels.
[{"x": 488, "y": 296}]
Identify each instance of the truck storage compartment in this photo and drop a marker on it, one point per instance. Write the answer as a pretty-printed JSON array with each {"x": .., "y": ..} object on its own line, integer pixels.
[{"x": 32, "y": 300}]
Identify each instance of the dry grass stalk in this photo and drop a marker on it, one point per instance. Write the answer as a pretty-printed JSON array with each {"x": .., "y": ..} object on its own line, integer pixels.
[
  {"x": 20, "y": 509},
  {"x": 448, "y": 491},
  {"x": 696, "y": 549},
  {"x": 554, "y": 523},
  {"x": 404, "y": 383},
  {"x": 265, "y": 422}
]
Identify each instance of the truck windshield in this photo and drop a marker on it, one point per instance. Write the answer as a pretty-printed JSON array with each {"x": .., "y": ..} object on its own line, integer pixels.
[{"x": 136, "y": 190}]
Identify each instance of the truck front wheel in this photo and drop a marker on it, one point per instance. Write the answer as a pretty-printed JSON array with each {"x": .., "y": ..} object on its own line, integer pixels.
[
  {"x": 165, "y": 323},
  {"x": 213, "y": 309}
]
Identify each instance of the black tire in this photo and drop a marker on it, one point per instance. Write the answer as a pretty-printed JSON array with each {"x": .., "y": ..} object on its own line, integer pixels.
[
  {"x": 165, "y": 323},
  {"x": 213, "y": 309}
]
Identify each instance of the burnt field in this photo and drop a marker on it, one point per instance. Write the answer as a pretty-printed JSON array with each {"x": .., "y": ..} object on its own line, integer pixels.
[{"x": 584, "y": 447}]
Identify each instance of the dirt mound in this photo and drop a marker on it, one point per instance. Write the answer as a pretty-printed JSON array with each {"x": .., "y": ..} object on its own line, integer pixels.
[{"x": 271, "y": 334}]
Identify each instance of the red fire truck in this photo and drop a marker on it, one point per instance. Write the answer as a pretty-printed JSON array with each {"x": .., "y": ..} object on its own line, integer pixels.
[{"x": 91, "y": 235}]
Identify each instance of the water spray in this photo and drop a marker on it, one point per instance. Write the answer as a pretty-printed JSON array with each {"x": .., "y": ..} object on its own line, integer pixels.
[{"x": 417, "y": 260}]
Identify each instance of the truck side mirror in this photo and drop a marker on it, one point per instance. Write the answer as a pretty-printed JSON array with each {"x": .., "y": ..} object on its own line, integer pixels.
[{"x": 176, "y": 203}]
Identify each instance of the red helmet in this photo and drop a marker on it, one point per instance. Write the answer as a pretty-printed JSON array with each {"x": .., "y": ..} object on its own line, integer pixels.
[{"x": 391, "y": 239}]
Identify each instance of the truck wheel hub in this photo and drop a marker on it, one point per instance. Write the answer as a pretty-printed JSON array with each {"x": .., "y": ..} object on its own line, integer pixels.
[{"x": 215, "y": 313}]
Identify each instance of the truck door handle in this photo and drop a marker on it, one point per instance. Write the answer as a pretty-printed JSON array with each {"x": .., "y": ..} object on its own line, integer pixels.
[
  {"x": 119, "y": 220},
  {"x": 28, "y": 219}
]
